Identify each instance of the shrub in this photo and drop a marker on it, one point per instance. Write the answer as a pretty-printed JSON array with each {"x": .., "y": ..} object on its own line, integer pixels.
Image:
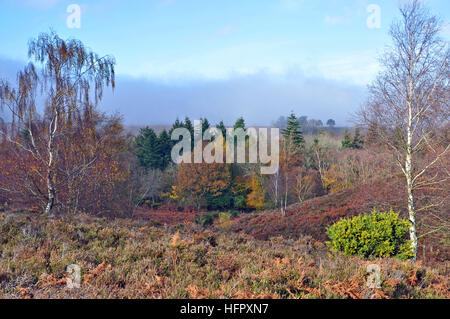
[
  {"x": 371, "y": 236},
  {"x": 207, "y": 219},
  {"x": 219, "y": 202},
  {"x": 239, "y": 201},
  {"x": 224, "y": 221}
]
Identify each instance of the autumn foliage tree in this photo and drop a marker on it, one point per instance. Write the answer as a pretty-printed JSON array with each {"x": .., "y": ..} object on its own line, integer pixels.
[
  {"x": 199, "y": 182},
  {"x": 57, "y": 143}
]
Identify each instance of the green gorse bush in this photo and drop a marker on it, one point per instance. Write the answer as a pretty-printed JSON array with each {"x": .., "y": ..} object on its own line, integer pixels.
[{"x": 372, "y": 236}]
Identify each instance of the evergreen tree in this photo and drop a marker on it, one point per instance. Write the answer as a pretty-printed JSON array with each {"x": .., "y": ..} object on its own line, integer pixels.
[
  {"x": 223, "y": 129},
  {"x": 205, "y": 124},
  {"x": 357, "y": 140},
  {"x": 293, "y": 130},
  {"x": 347, "y": 142},
  {"x": 177, "y": 124},
  {"x": 240, "y": 123},
  {"x": 153, "y": 151},
  {"x": 189, "y": 126},
  {"x": 165, "y": 148},
  {"x": 148, "y": 149}
]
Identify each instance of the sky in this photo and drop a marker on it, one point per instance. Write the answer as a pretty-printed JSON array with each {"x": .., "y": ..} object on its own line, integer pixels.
[{"x": 220, "y": 59}]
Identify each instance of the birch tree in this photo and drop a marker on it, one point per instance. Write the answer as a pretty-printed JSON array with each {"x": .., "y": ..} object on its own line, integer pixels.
[
  {"x": 408, "y": 102},
  {"x": 62, "y": 83}
]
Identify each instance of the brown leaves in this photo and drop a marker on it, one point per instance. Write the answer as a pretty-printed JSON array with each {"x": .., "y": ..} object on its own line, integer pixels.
[
  {"x": 158, "y": 288},
  {"x": 196, "y": 181},
  {"x": 348, "y": 289},
  {"x": 49, "y": 280},
  {"x": 25, "y": 293},
  {"x": 413, "y": 279},
  {"x": 97, "y": 271},
  {"x": 196, "y": 292},
  {"x": 177, "y": 242}
]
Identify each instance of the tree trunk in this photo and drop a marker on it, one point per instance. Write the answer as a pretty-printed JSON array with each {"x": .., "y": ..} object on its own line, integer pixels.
[
  {"x": 409, "y": 186},
  {"x": 50, "y": 149},
  {"x": 51, "y": 194}
]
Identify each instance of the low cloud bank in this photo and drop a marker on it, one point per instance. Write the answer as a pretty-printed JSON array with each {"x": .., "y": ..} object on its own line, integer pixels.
[{"x": 259, "y": 98}]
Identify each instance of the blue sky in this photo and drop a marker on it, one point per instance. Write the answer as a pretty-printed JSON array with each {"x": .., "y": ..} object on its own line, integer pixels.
[{"x": 257, "y": 58}]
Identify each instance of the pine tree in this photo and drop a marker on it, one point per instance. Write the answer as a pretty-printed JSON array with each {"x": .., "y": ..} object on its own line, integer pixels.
[
  {"x": 148, "y": 148},
  {"x": 240, "y": 123},
  {"x": 205, "y": 124},
  {"x": 189, "y": 126},
  {"x": 165, "y": 148},
  {"x": 347, "y": 142},
  {"x": 293, "y": 130},
  {"x": 223, "y": 129},
  {"x": 357, "y": 140}
]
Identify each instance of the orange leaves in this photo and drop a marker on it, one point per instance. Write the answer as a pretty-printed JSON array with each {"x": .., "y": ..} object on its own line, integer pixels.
[
  {"x": 335, "y": 179},
  {"x": 204, "y": 236},
  {"x": 97, "y": 271},
  {"x": 348, "y": 289},
  {"x": 256, "y": 197},
  {"x": 49, "y": 280},
  {"x": 25, "y": 293},
  {"x": 175, "y": 242},
  {"x": 197, "y": 181},
  {"x": 413, "y": 278}
]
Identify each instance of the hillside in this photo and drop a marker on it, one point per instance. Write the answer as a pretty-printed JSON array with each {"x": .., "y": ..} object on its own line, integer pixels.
[
  {"x": 131, "y": 259},
  {"x": 313, "y": 216}
]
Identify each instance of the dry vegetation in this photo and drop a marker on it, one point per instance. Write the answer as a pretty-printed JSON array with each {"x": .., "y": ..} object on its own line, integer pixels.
[
  {"x": 131, "y": 259},
  {"x": 76, "y": 189}
]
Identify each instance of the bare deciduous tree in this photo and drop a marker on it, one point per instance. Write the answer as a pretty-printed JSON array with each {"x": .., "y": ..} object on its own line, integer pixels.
[{"x": 408, "y": 101}]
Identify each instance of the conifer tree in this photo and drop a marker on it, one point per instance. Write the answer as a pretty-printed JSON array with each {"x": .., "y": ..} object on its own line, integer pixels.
[
  {"x": 347, "y": 142},
  {"x": 293, "y": 130},
  {"x": 240, "y": 123},
  {"x": 148, "y": 148},
  {"x": 165, "y": 148},
  {"x": 357, "y": 140},
  {"x": 223, "y": 129}
]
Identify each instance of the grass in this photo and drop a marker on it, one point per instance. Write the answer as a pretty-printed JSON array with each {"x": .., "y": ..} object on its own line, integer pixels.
[{"x": 133, "y": 259}]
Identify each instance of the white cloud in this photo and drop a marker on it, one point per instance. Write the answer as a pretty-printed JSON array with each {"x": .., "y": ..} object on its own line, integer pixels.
[{"x": 358, "y": 68}]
